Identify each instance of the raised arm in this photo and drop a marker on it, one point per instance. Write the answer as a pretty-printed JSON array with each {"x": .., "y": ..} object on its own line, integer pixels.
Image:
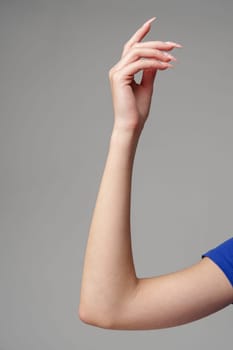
[{"x": 111, "y": 294}]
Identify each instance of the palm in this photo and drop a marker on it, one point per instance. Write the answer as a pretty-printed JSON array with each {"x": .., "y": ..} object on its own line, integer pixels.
[{"x": 132, "y": 102}]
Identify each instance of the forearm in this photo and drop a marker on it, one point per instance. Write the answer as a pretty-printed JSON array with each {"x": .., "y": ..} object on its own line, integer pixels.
[{"x": 109, "y": 275}]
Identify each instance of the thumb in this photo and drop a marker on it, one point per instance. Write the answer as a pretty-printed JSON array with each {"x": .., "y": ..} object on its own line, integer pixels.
[{"x": 148, "y": 78}]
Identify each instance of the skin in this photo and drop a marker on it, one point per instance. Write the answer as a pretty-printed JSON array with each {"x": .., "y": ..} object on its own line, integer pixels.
[{"x": 112, "y": 296}]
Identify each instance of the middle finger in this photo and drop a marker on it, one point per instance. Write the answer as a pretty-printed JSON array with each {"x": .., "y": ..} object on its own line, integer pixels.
[{"x": 161, "y": 45}]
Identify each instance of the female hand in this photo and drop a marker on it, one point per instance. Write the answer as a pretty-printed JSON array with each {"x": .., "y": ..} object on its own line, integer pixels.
[{"x": 131, "y": 101}]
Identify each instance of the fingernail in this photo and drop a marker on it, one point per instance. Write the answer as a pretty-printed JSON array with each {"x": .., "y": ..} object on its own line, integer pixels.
[
  {"x": 166, "y": 64},
  {"x": 178, "y": 45},
  {"x": 150, "y": 21},
  {"x": 170, "y": 56},
  {"x": 173, "y": 43}
]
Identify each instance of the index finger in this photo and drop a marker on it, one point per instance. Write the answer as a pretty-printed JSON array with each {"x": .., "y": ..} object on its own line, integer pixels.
[{"x": 139, "y": 34}]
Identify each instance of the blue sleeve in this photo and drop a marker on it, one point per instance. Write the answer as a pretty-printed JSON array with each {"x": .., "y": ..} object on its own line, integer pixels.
[{"x": 222, "y": 255}]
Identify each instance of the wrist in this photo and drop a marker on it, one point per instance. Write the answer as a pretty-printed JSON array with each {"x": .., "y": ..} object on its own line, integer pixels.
[
  {"x": 127, "y": 134},
  {"x": 125, "y": 137},
  {"x": 123, "y": 143}
]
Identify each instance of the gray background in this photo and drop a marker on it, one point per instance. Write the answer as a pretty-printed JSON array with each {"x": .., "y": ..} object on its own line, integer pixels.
[{"x": 56, "y": 120}]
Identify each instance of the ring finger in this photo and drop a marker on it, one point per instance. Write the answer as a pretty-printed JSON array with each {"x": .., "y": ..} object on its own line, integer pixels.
[{"x": 141, "y": 53}]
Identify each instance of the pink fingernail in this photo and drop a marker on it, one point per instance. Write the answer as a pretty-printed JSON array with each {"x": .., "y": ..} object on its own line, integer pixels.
[
  {"x": 173, "y": 43},
  {"x": 150, "y": 21},
  {"x": 178, "y": 45},
  {"x": 169, "y": 56}
]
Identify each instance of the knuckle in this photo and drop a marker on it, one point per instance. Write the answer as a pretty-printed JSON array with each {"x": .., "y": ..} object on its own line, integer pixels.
[
  {"x": 158, "y": 64},
  {"x": 162, "y": 66},
  {"x": 125, "y": 46},
  {"x": 156, "y": 51},
  {"x": 132, "y": 53},
  {"x": 160, "y": 53},
  {"x": 136, "y": 52},
  {"x": 110, "y": 73},
  {"x": 165, "y": 57},
  {"x": 113, "y": 75}
]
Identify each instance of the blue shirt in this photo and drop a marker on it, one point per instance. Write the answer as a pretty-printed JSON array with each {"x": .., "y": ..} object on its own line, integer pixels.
[{"x": 222, "y": 255}]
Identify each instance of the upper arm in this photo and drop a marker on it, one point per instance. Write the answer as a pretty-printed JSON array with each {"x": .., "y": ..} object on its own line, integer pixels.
[{"x": 175, "y": 298}]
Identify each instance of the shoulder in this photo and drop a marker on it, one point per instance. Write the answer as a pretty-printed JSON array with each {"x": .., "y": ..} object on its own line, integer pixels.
[{"x": 222, "y": 256}]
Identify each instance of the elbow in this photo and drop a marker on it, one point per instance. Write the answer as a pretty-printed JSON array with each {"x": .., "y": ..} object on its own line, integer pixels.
[
  {"x": 97, "y": 320},
  {"x": 82, "y": 314}
]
